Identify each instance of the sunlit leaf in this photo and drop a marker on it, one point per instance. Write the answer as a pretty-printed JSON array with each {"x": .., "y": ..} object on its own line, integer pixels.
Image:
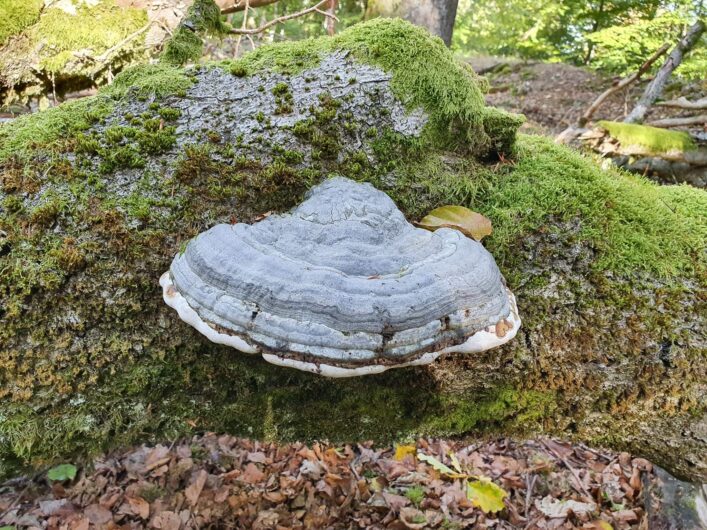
[
  {"x": 469, "y": 223},
  {"x": 439, "y": 466},
  {"x": 62, "y": 472},
  {"x": 455, "y": 462},
  {"x": 401, "y": 451},
  {"x": 486, "y": 495}
]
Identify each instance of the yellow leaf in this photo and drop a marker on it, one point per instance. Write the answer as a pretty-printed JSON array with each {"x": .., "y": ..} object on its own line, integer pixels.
[
  {"x": 469, "y": 223},
  {"x": 455, "y": 462},
  {"x": 486, "y": 495},
  {"x": 439, "y": 466},
  {"x": 401, "y": 451}
]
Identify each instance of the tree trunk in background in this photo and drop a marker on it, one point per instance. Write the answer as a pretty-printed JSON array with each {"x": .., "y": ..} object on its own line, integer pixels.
[
  {"x": 435, "y": 15},
  {"x": 655, "y": 88}
]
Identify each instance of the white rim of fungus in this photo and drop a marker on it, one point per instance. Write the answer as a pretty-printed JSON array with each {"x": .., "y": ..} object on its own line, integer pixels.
[{"x": 480, "y": 341}]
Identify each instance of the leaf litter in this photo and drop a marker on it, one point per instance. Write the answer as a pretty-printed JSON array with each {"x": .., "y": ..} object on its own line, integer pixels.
[{"x": 220, "y": 481}]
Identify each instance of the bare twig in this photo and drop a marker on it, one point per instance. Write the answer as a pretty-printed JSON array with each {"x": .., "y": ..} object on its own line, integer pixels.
[
  {"x": 240, "y": 5},
  {"x": 655, "y": 88},
  {"x": 572, "y": 470},
  {"x": 314, "y": 9},
  {"x": 684, "y": 103},
  {"x": 243, "y": 26},
  {"x": 667, "y": 123},
  {"x": 621, "y": 85},
  {"x": 103, "y": 59}
]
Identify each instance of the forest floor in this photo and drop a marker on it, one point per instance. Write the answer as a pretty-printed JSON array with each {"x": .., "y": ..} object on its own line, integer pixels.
[
  {"x": 552, "y": 96},
  {"x": 226, "y": 482}
]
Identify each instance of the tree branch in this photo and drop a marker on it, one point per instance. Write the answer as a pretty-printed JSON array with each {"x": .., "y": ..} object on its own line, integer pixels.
[
  {"x": 621, "y": 85},
  {"x": 314, "y": 9},
  {"x": 229, "y": 6},
  {"x": 667, "y": 123},
  {"x": 655, "y": 88},
  {"x": 684, "y": 103}
]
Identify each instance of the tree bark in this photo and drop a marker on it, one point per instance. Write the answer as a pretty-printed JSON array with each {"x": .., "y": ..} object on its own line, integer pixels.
[
  {"x": 655, "y": 88},
  {"x": 437, "y": 16}
]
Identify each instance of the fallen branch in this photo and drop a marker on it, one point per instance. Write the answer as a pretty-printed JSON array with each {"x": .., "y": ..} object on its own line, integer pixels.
[
  {"x": 667, "y": 123},
  {"x": 621, "y": 85},
  {"x": 314, "y": 9},
  {"x": 241, "y": 5},
  {"x": 655, "y": 88},
  {"x": 684, "y": 103}
]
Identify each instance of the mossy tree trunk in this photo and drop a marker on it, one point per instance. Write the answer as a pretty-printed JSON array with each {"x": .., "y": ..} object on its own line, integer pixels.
[
  {"x": 437, "y": 16},
  {"x": 96, "y": 197}
]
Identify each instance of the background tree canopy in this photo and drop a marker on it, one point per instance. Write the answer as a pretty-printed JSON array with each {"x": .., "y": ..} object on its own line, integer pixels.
[{"x": 616, "y": 36}]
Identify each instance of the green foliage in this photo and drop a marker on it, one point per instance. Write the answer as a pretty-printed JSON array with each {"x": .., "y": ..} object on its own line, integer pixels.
[
  {"x": 615, "y": 35},
  {"x": 62, "y": 472},
  {"x": 654, "y": 140},
  {"x": 16, "y": 15},
  {"x": 416, "y": 494},
  {"x": 158, "y": 80},
  {"x": 622, "y": 49}
]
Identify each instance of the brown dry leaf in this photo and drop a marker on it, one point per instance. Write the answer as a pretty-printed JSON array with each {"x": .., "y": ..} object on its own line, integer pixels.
[
  {"x": 139, "y": 506},
  {"x": 167, "y": 521},
  {"x": 252, "y": 474},
  {"x": 413, "y": 518},
  {"x": 469, "y": 223},
  {"x": 97, "y": 514},
  {"x": 82, "y": 523},
  {"x": 194, "y": 490}
]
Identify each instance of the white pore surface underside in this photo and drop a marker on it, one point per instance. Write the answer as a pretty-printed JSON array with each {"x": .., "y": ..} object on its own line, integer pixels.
[{"x": 483, "y": 340}]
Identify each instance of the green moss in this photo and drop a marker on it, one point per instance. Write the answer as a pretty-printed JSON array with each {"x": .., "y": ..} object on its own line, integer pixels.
[
  {"x": 632, "y": 224},
  {"x": 158, "y": 80},
  {"x": 185, "y": 45},
  {"x": 97, "y": 28},
  {"x": 16, "y": 15},
  {"x": 51, "y": 126},
  {"x": 424, "y": 74},
  {"x": 656, "y": 141}
]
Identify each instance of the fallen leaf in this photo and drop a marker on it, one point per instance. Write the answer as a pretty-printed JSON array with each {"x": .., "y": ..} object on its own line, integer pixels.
[
  {"x": 401, "y": 451},
  {"x": 167, "y": 521},
  {"x": 139, "y": 506},
  {"x": 439, "y": 466},
  {"x": 413, "y": 518},
  {"x": 486, "y": 495},
  {"x": 469, "y": 223},
  {"x": 555, "y": 508},
  {"x": 194, "y": 490},
  {"x": 252, "y": 475},
  {"x": 62, "y": 472},
  {"x": 97, "y": 514}
]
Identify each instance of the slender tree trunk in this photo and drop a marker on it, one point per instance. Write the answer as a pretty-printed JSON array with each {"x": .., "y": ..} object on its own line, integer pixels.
[
  {"x": 435, "y": 15},
  {"x": 655, "y": 88}
]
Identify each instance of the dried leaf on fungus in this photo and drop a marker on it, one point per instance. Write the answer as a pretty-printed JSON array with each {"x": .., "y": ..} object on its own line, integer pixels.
[{"x": 468, "y": 222}]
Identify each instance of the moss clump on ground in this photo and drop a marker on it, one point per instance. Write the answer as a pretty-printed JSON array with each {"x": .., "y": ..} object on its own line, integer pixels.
[
  {"x": 424, "y": 74},
  {"x": 654, "y": 140},
  {"x": 16, "y": 15}
]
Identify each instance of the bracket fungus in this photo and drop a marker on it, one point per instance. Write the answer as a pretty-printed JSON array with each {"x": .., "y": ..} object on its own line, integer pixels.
[{"x": 342, "y": 286}]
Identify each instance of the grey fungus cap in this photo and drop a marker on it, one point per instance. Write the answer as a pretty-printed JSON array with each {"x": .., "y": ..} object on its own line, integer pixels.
[{"x": 342, "y": 286}]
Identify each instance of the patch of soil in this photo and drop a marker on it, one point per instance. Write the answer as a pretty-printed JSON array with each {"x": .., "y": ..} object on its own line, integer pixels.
[{"x": 214, "y": 481}]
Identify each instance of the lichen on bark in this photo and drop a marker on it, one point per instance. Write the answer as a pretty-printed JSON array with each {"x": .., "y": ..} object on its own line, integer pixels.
[{"x": 608, "y": 268}]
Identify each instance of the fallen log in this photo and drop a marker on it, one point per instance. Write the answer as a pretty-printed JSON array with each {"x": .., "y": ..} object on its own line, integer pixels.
[{"x": 99, "y": 195}]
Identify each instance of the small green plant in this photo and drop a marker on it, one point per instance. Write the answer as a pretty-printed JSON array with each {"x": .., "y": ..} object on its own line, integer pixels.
[
  {"x": 62, "y": 472},
  {"x": 416, "y": 494}
]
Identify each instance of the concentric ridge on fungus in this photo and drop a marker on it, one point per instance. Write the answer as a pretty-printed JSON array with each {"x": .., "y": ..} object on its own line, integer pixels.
[{"x": 342, "y": 285}]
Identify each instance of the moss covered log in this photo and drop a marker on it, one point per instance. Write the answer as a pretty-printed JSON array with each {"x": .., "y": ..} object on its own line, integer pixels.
[
  {"x": 96, "y": 197},
  {"x": 60, "y": 47}
]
